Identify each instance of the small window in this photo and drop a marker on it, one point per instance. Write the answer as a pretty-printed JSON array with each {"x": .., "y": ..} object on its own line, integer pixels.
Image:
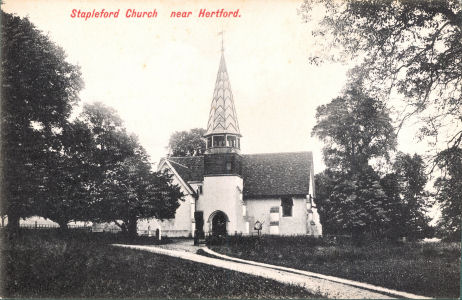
[
  {"x": 229, "y": 166},
  {"x": 287, "y": 204},
  {"x": 209, "y": 142},
  {"x": 200, "y": 189}
]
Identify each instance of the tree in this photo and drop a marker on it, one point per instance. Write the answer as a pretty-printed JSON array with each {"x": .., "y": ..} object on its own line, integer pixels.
[
  {"x": 187, "y": 143},
  {"x": 353, "y": 203},
  {"x": 449, "y": 193},
  {"x": 122, "y": 186},
  {"x": 67, "y": 193},
  {"x": 38, "y": 90},
  {"x": 134, "y": 192},
  {"x": 407, "y": 49},
  {"x": 355, "y": 129},
  {"x": 325, "y": 183},
  {"x": 405, "y": 188},
  {"x": 111, "y": 144}
]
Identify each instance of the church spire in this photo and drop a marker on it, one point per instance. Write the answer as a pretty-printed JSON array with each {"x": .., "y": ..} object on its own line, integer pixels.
[{"x": 222, "y": 126}]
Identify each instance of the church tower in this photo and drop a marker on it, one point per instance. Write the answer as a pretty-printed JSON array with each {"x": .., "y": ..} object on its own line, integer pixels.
[
  {"x": 221, "y": 201},
  {"x": 222, "y": 155}
]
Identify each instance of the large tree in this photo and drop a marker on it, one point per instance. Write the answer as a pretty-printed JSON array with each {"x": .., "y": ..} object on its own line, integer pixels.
[
  {"x": 187, "y": 143},
  {"x": 355, "y": 129},
  {"x": 38, "y": 90},
  {"x": 404, "y": 49}
]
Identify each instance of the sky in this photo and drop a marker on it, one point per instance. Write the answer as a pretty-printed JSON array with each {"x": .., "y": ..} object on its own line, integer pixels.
[{"x": 159, "y": 73}]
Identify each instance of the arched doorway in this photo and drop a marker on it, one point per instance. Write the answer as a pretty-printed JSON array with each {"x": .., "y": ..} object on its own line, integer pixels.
[{"x": 219, "y": 221}]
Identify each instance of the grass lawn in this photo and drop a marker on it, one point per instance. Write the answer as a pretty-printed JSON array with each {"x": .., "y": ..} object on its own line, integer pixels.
[
  {"x": 47, "y": 265},
  {"x": 431, "y": 269}
]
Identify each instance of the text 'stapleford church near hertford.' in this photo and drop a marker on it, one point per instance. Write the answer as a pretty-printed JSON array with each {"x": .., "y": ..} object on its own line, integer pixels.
[{"x": 228, "y": 192}]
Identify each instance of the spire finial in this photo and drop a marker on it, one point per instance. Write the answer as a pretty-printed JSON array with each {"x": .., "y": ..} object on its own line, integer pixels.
[{"x": 222, "y": 32}]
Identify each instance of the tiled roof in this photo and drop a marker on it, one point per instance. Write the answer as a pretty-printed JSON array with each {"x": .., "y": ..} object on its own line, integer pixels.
[
  {"x": 271, "y": 174},
  {"x": 222, "y": 116},
  {"x": 189, "y": 168},
  {"x": 268, "y": 174}
]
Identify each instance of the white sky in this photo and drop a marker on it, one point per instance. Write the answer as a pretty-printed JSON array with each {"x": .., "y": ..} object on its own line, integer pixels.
[{"x": 159, "y": 73}]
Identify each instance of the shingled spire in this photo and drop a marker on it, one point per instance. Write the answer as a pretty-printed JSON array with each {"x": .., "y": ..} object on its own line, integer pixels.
[
  {"x": 222, "y": 117},
  {"x": 222, "y": 127}
]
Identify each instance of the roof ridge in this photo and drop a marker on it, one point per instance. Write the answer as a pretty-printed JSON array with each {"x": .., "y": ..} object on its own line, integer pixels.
[{"x": 172, "y": 161}]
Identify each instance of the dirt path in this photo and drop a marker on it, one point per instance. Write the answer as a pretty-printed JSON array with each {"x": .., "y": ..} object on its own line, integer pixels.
[{"x": 327, "y": 286}]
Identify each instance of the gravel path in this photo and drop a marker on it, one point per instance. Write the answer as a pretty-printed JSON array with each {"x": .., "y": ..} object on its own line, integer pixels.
[{"x": 315, "y": 284}]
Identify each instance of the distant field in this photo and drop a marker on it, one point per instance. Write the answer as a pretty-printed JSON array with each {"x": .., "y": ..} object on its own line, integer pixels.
[
  {"x": 44, "y": 265},
  {"x": 431, "y": 269}
]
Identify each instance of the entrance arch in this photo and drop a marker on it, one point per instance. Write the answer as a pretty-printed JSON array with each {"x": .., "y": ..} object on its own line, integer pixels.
[{"x": 218, "y": 222}]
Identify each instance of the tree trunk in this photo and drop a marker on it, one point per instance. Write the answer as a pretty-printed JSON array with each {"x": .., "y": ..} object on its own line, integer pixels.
[{"x": 132, "y": 227}]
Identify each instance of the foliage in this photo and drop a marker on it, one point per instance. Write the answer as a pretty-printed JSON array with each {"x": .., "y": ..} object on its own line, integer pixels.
[
  {"x": 123, "y": 185},
  {"x": 408, "y": 49},
  {"x": 132, "y": 192},
  {"x": 324, "y": 185},
  {"x": 410, "y": 267},
  {"x": 187, "y": 143},
  {"x": 111, "y": 143},
  {"x": 399, "y": 199},
  {"x": 85, "y": 267},
  {"x": 38, "y": 90},
  {"x": 449, "y": 194},
  {"x": 356, "y": 204},
  {"x": 405, "y": 188},
  {"x": 68, "y": 177},
  {"x": 355, "y": 129}
]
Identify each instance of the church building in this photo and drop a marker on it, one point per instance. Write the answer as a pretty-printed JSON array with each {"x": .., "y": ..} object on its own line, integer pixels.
[{"x": 227, "y": 192}]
